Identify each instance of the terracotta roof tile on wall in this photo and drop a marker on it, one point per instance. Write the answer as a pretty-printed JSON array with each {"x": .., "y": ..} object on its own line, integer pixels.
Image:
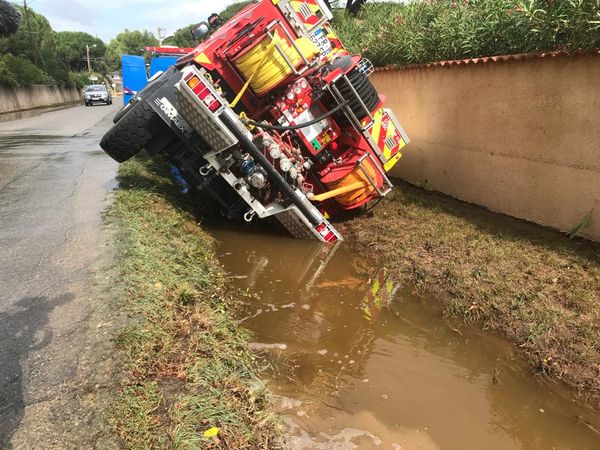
[{"x": 491, "y": 59}]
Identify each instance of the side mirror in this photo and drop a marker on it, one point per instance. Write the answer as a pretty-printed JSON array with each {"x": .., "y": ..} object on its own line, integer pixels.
[
  {"x": 215, "y": 21},
  {"x": 200, "y": 31}
]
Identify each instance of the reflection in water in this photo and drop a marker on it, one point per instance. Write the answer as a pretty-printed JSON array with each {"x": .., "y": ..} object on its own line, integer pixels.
[{"x": 360, "y": 363}]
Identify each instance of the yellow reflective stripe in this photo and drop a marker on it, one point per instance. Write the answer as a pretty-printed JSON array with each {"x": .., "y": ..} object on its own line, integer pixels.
[
  {"x": 315, "y": 8},
  {"x": 202, "y": 59},
  {"x": 311, "y": 6},
  {"x": 376, "y": 128},
  {"x": 331, "y": 34},
  {"x": 392, "y": 162}
]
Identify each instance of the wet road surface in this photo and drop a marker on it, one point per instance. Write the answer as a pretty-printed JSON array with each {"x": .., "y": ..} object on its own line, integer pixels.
[
  {"x": 54, "y": 181},
  {"x": 355, "y": 361}
]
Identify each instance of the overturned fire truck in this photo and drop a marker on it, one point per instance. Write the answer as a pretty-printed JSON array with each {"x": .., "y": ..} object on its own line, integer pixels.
[{"x": 269, "y": 116}]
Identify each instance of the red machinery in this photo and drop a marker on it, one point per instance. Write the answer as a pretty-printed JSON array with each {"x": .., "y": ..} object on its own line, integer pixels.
[{"x": 270, "y": 116}]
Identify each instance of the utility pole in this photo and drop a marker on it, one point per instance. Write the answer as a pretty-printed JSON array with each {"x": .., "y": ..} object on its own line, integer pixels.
[
  {"x": 31, "y": 38},
  {"x": 159, "y": 35},
  {"x": 87, "y": 49}
]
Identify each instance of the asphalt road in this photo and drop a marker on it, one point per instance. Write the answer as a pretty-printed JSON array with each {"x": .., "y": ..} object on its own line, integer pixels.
[{"x": 54, "y": 186}]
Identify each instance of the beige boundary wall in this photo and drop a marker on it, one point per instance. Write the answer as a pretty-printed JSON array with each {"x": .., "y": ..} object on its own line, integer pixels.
[
  {"x": 24, "y": 98},
  {"x": 521, "y": 136}
]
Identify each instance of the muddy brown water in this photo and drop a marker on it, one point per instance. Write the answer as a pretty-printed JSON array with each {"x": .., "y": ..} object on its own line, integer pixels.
[{"x": 355, "y": 361}]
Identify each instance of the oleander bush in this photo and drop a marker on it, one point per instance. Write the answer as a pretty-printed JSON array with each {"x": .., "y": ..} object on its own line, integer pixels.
[{"x": 425, "y": 31}]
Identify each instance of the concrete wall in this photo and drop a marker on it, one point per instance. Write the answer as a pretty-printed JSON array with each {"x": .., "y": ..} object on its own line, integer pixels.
[
  {"x": 521, "y": 137},
  {"x": 24, "y": 98}
]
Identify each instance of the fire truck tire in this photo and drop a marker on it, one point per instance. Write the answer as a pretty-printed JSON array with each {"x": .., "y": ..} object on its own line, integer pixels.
[
  {"x": 124, "y": 110},
  {"x": 146, "y": 91},
  {"x": 131, "y": 133}
]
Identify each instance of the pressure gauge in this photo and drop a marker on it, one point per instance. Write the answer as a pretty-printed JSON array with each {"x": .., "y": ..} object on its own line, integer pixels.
[
  {"x": 257, "y": 179},
  {"x": 285, "y": 164},
  {"x": 274, "y": 151}
]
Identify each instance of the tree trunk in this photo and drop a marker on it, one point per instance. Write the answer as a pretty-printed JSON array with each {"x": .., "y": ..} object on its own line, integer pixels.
[{"x": 353, "y": 6}]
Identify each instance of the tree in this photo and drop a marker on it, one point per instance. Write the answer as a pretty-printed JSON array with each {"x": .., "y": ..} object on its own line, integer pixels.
[
  {"x": 30, "y": 39},
  {"x": 128, "y": 42},
  {"x": 353, "y": 6},
  {"x": 71, "y": 49},
  {"x": 233, "y": 9},
  {"x": 35, "y": 41},
  {"x": 182, "y": 37},
  {"x": 9, "y": 19}
]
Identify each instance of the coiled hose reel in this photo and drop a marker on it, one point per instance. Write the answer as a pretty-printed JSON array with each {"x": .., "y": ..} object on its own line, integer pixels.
[
  {"x": 365, "y": 90},
  {"x": 264, "y": 65}
]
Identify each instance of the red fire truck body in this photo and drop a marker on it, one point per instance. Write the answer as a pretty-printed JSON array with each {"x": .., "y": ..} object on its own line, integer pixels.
[{"x": 269, "y": 116}]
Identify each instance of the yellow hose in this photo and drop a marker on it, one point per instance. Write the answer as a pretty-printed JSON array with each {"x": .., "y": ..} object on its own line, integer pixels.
[
  {"x": 348, "y": 198},
  {"x": 264, "y": 68},
  {"x": 260, "y": 63},
  {"x": 337, "y": 192}
]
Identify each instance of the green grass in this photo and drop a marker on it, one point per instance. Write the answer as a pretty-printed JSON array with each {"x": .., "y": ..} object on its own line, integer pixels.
[
  {"x": 532, "y": 285},
  {"x": 188, "y": 365}
]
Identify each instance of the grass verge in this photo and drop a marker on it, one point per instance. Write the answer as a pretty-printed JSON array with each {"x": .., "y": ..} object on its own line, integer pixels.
[
  {"x": 529, "y": 284},
  {"x": 189, "y": 371}
]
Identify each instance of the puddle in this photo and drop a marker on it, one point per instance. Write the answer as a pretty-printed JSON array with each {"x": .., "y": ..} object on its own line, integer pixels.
[{"x": 355, "y": 361}]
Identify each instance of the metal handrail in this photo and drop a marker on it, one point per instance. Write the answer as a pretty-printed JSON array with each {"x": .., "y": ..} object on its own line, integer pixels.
[{"x": 382, "y": 173}]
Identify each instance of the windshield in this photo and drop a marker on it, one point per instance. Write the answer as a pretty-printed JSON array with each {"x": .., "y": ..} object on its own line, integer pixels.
[{"x": 95, "y": 89}]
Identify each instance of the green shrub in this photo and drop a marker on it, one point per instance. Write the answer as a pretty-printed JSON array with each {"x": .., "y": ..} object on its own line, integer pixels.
[
  {"x": 35, "y": 44},
  {"x": 7, "y": 78},
  {"x": 80, "y": 79},
  {"x": 432, "y": 30},
  {"x": 15, "y": 71}
]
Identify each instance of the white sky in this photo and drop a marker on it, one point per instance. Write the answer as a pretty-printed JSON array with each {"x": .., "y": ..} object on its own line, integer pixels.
[{"x": 107, "y": 18}]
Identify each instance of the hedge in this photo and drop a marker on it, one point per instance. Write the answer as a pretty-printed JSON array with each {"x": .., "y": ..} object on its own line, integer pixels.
[{"x": 436, "y": 30}]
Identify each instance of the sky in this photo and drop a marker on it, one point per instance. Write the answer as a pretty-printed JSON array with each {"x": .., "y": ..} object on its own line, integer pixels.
[{"x": 106, "y": 18}]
